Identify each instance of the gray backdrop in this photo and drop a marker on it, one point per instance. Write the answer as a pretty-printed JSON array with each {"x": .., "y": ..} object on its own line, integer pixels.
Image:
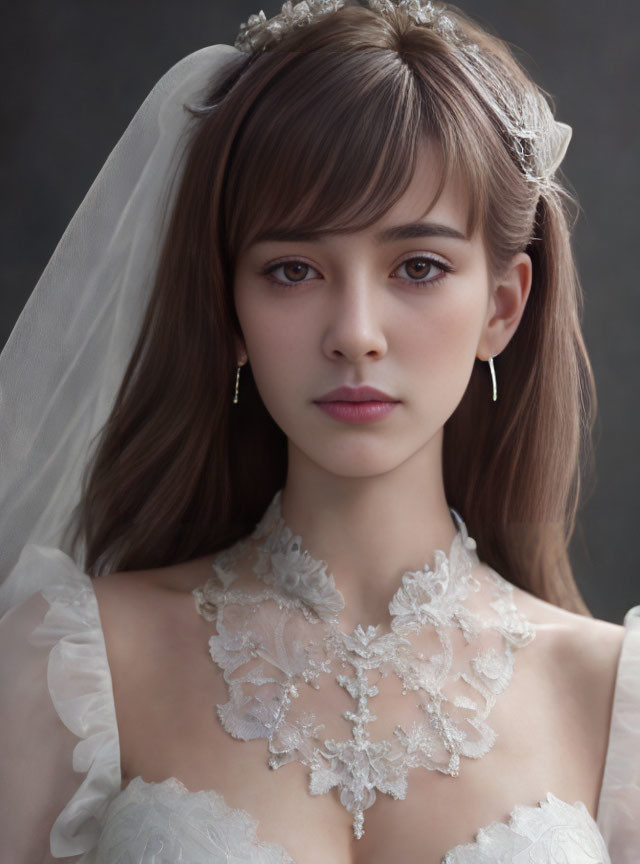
[{"x": 75, "y": 73}]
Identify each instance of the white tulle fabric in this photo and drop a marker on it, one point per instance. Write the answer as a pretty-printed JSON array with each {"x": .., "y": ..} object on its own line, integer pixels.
[
  {"x": 61, "y": 785},
  {"x": 66, "y": 356}
]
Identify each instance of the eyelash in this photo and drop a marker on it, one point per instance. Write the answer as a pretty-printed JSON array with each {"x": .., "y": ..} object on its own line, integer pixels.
[{"x": 446, "y": 268}]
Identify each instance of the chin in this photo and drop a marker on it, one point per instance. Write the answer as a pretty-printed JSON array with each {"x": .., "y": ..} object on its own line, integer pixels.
[{"x": 358, "y": 460}]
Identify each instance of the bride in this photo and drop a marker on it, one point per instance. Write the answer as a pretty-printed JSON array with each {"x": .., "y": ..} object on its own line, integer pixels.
[{"x": 308, "y": 363}]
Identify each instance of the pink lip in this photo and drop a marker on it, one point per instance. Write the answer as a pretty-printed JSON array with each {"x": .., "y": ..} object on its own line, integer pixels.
[
  {"x": 356, "y": 394},
  {"x": 357, "y": 412}
]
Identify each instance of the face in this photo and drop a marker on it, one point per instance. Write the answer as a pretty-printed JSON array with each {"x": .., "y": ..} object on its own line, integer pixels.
[{"x": 407, "y": 316}]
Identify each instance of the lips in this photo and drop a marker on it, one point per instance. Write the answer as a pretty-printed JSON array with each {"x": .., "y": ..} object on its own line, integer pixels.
[{"x": 356, "y": 394}]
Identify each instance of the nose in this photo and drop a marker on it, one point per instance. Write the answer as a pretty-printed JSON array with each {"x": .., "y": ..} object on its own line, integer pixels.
[{"x": 355, "y": 328}]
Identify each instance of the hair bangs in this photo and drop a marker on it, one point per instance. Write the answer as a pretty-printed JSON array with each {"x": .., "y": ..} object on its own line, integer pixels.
[{"x": 330, "y": 156}]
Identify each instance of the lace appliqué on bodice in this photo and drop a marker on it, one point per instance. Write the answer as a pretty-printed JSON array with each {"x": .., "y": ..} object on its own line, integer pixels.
[
  {"x": 454, "y": 630},
  {"x": 554, "y": 832},
  {"x": 164, "y": 823}
]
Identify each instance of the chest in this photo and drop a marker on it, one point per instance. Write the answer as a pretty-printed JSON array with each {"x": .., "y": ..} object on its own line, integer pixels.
[{"x": 169, "y": 727}]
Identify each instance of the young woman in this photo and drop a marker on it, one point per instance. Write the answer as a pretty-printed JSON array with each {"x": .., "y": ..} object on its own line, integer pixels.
[{"x": 324, "y": 426}]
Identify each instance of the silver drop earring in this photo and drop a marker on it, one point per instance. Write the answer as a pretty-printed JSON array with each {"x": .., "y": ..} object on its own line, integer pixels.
[
  {"x": 493, "y": 377},
  {"x": 235, "y": 396}
]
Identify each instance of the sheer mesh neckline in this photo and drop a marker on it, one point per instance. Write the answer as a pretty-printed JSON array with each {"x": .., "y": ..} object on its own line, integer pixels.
[
  {"x": 454, "y": 631},
  {"x": 285, "y": 563}
]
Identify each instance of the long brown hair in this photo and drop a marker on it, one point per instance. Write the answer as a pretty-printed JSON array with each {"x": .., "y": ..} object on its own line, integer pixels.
[{"x": 322, "y": 131}]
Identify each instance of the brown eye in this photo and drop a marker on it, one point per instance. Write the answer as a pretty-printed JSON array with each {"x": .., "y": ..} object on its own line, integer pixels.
[
  {"x": 293, "y": 272},
  {"x": 419, "y": 268}
]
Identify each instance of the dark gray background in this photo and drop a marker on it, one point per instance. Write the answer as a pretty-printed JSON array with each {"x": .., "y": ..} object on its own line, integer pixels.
[{"x": 75, "y": 73}]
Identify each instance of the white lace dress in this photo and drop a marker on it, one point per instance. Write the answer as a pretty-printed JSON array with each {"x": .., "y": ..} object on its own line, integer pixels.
[{"x": 61, "y": 759}]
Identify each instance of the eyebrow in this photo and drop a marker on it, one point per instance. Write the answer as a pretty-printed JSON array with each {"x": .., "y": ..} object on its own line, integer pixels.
[{"x": 398, "y": 232}]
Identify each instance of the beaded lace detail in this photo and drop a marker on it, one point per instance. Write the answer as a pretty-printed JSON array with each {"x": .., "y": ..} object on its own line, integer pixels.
[{"x": 454, "y": 631}]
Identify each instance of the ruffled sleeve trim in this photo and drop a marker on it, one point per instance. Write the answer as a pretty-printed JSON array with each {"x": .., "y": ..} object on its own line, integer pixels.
[
  {"x": 619, "y": 806},
  {"x": 80, "y": 686}
]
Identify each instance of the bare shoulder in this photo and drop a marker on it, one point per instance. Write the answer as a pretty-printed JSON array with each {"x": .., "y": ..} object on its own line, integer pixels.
[
  {"x": 586, "y": 648},
  {"x": 177, "y": 578},
  {"x": 579, "y": 657},
  {"x": 143, "y": 609}
]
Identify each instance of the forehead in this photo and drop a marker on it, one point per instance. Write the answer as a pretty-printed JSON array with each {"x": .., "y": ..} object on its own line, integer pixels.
[{"x": 451, "y": 207}]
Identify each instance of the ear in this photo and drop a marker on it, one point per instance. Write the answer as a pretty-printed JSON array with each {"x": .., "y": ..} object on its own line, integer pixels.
[
  {"x": 507, "y": 299},
  {"x": 241, "y": 352}
]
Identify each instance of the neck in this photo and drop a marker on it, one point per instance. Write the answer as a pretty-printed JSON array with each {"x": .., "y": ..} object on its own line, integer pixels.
[{"x": 370, "y": 530}]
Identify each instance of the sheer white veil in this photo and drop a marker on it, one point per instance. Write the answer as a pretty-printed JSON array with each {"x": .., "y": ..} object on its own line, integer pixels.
[{"x": 65, "y": 358}]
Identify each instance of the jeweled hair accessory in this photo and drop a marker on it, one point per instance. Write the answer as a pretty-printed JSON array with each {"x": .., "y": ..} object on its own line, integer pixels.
[
  {"x": 540, "y": 141},
  {"x": 259, "y": 31}
]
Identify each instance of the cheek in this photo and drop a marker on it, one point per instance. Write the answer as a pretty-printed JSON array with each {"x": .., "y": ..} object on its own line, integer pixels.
[
  {"x": 277, "y": 351},
  {"x": 449, "y": 327},
  {"x": 439, "y": 349}
]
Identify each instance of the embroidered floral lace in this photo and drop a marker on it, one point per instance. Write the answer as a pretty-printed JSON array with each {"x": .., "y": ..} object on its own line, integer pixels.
[{"x": 453, "y": 633}]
